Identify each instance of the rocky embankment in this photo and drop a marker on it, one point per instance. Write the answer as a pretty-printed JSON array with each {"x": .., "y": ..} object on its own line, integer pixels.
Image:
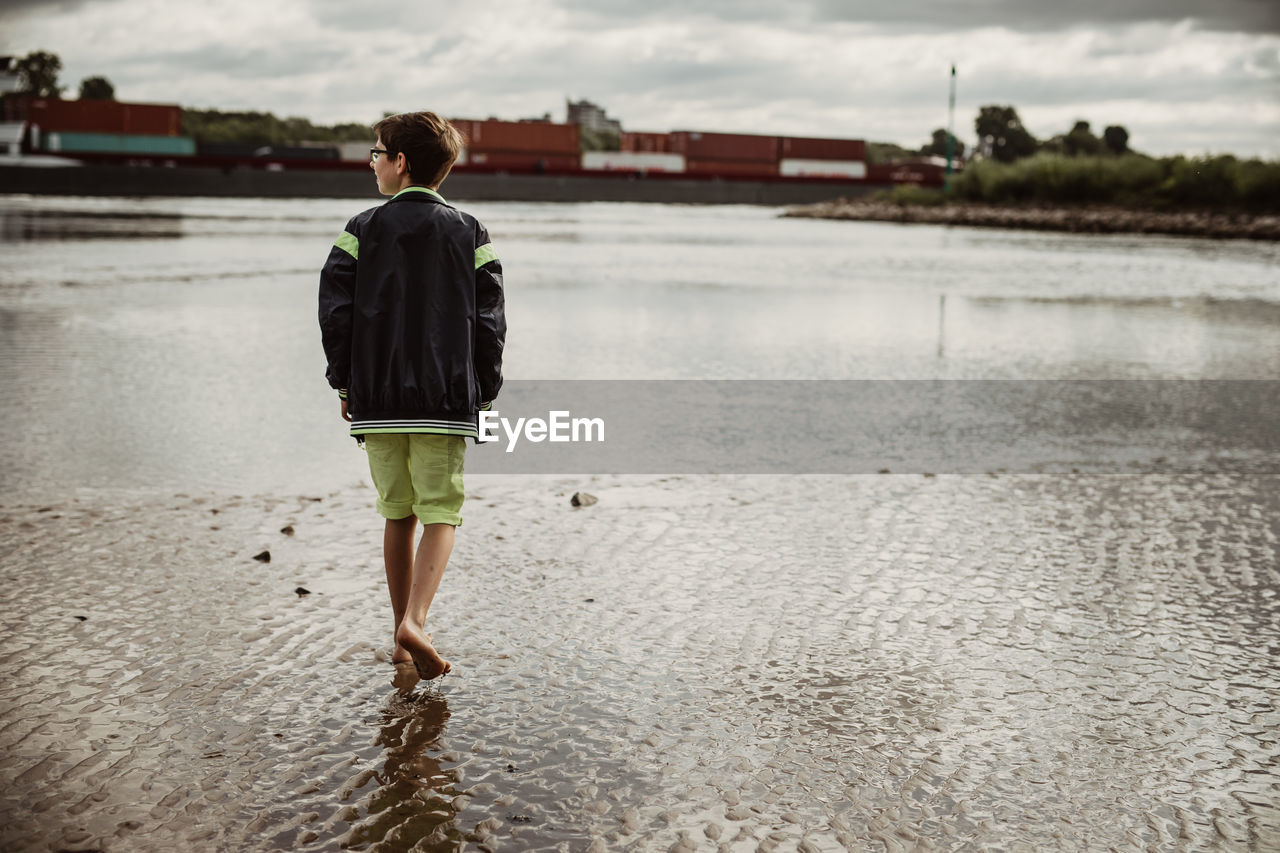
[{"x": 1088, "y": 220}]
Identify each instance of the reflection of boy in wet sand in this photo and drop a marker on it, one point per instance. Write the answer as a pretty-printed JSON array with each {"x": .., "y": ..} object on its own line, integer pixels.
[{"x": 411, "y": 317}]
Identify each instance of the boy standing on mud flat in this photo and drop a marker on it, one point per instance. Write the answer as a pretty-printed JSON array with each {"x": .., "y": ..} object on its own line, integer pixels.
[{"x": 412, "y": 322}]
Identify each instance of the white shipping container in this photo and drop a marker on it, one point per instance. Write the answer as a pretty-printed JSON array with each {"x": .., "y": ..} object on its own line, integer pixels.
[
  {"x": 354, "y": 151},
  {"x": 11, "y": 137},
  {"x": 357, "y": 151},
  {"x": 822, "y": 168},
  {"x": 633, "y": 161}
]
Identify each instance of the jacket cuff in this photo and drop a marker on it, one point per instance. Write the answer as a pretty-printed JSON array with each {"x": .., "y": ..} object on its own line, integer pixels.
[
  {"x": 484, "y": 407},
  {"x": 342, "y": 393}
]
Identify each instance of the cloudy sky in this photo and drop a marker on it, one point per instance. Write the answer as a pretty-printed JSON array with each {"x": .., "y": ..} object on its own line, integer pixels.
[{"x": 1189, "y": 76}]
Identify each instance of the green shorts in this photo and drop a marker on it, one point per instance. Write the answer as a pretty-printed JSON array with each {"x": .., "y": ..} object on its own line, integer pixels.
[{"x": 418, "y": 475}]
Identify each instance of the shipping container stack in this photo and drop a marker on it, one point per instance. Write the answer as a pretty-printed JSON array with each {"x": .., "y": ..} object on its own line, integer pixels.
[
  {"x": 809, "y": 157},
  {"x": 726, "y": 154},
  {"x": 639, "y": 153},
  {"x": 490, "y": 145},
  {"x": 519, "y": 146},
  {"x": 100, "y": 127}
]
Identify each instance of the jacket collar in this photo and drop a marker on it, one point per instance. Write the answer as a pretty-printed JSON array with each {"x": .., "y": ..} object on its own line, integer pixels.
[{"x": 415, "y": 189}]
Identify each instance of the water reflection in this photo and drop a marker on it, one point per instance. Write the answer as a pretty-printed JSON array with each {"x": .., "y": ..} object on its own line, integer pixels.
[
  {"x": 414, "y": 803},
  {"x": 35, "y": 225}
]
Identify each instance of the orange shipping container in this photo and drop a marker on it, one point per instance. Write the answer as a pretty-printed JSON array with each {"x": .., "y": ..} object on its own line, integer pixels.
[
  {"x": 725, "y": 146},
  {"x": 812, "y": 148},
  {"x": 644, "y": 143},
  {"x": 539, "y": 136},
  {"x": 55, "y": 114}
]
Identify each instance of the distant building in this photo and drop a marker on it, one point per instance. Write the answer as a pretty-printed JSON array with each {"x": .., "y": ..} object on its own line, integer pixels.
[
  {"x": 10, "y": 79},
  {"x": 589, "y": 116}
]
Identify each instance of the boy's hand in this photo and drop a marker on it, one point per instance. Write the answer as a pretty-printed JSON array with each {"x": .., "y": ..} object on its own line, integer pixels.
[{"x": 345, "y": 416}]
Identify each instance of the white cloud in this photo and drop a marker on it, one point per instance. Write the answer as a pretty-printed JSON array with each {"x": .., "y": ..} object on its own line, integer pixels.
[{"x": 1177, "y": 86}]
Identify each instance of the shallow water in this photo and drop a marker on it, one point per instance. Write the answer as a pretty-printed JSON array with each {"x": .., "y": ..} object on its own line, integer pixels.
[
  {"x": 708, "y": 662},
  {"x": 812, "y": 663},
  {"x": 177, "y": 344}
]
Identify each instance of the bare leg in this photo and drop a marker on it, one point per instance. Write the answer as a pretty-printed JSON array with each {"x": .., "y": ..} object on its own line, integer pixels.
[
  {"x": 428, "y": 569},
  {"x": 397, "y": 556}
]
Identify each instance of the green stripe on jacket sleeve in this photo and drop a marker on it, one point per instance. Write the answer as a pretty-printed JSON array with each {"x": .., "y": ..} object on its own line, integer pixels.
[
  {"x": 485, "y": 254},
  {"x": 348, "y": 243}
]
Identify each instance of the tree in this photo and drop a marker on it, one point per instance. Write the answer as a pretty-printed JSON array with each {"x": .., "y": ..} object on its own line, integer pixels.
[
  {"x": 38, "y": 72},
  {"x": 97, "y": 89},
  {"x": 1080, "y": 141},
  {"x": 599, "y": 140},
  {"x": 887, "y": 152},
  {"x": 1001, "y": 134},
  {"x": 1116, "y": 139},
  {"x": 937, "y": 146}
]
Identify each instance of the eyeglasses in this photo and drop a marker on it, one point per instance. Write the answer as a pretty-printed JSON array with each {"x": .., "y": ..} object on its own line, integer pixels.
[{"x": 374, "y": 152}]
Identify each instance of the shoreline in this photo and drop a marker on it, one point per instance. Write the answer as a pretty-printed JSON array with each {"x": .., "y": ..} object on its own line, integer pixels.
[
  {"x": 1079, "y": 220},
  {"x": 137, "y": 181}
]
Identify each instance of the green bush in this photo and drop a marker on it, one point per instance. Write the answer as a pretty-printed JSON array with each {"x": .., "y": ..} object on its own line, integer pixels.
[
  {"x": 265, "y": 128},
  {"x": 1134, "y": 180},
  {"x": 1258, "y": 183},
  {"x": 1200, "y": 182}
]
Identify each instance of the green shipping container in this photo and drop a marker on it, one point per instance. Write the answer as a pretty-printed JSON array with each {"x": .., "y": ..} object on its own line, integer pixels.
[{"x": 117, "y": 143}]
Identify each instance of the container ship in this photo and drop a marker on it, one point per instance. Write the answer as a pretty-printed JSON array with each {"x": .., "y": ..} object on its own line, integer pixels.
[{"x": 142, "y": 147}]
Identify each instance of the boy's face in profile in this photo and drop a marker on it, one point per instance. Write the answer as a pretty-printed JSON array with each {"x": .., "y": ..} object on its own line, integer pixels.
[{"x": 386, "y": 169}]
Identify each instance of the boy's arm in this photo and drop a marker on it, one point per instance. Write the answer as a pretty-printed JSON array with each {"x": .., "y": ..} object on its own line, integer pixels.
[
  {"x": 491, "y": 322},
  {"x": 337, "y": 294}
]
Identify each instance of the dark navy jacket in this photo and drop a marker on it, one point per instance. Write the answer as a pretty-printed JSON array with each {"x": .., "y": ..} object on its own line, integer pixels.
[{"x": 412, "y": 317}]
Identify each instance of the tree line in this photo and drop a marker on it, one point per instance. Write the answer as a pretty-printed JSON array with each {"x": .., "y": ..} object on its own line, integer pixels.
[
  {"x": 1078, "y": 167},
  {"x": 38, "y": 74},
  {"x": 1002, "y": 137}
]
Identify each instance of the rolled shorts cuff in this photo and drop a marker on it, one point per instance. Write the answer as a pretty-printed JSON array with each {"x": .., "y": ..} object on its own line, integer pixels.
[
  {"x": 394, "y": 510},
  {"x": 436, "y": 515}
]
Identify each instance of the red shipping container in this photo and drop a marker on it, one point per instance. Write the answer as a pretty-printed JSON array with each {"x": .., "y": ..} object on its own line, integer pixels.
[
  {"x": 813, "y": 148},
  {"x": 645, "y": 143},
  {"x": 525, "y": 161},
  {"x": 725, "y": 146},
  {"x": 55, "y": 114},
  {"x": 540, "y": 136},
  {"x": 880, "y": 173},
  {"x": 730, "y": 168},
  {"x": 905, "y": 173}
]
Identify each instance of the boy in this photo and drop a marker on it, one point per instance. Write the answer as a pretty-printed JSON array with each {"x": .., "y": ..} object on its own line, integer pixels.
[{"x": 411, "y": 317}]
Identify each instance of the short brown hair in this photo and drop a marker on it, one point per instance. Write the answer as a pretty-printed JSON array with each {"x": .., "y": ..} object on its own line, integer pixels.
[{"x": 429, "y": 143}]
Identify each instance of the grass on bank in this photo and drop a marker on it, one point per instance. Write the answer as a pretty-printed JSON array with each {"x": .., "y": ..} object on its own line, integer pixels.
[{"x": 1132, "y": 180}]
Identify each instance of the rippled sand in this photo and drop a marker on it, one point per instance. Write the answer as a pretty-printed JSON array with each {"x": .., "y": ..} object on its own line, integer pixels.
[{"x": 881, "y": 663}]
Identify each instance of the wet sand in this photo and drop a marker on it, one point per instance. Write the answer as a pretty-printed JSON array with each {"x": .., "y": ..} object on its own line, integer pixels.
[{"x": 792, "y": 663}]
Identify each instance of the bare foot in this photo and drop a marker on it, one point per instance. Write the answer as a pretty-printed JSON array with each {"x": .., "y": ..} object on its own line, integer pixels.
[
  {"x": 401, "y": 654},
  {"x": 425, "y": 657}
]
